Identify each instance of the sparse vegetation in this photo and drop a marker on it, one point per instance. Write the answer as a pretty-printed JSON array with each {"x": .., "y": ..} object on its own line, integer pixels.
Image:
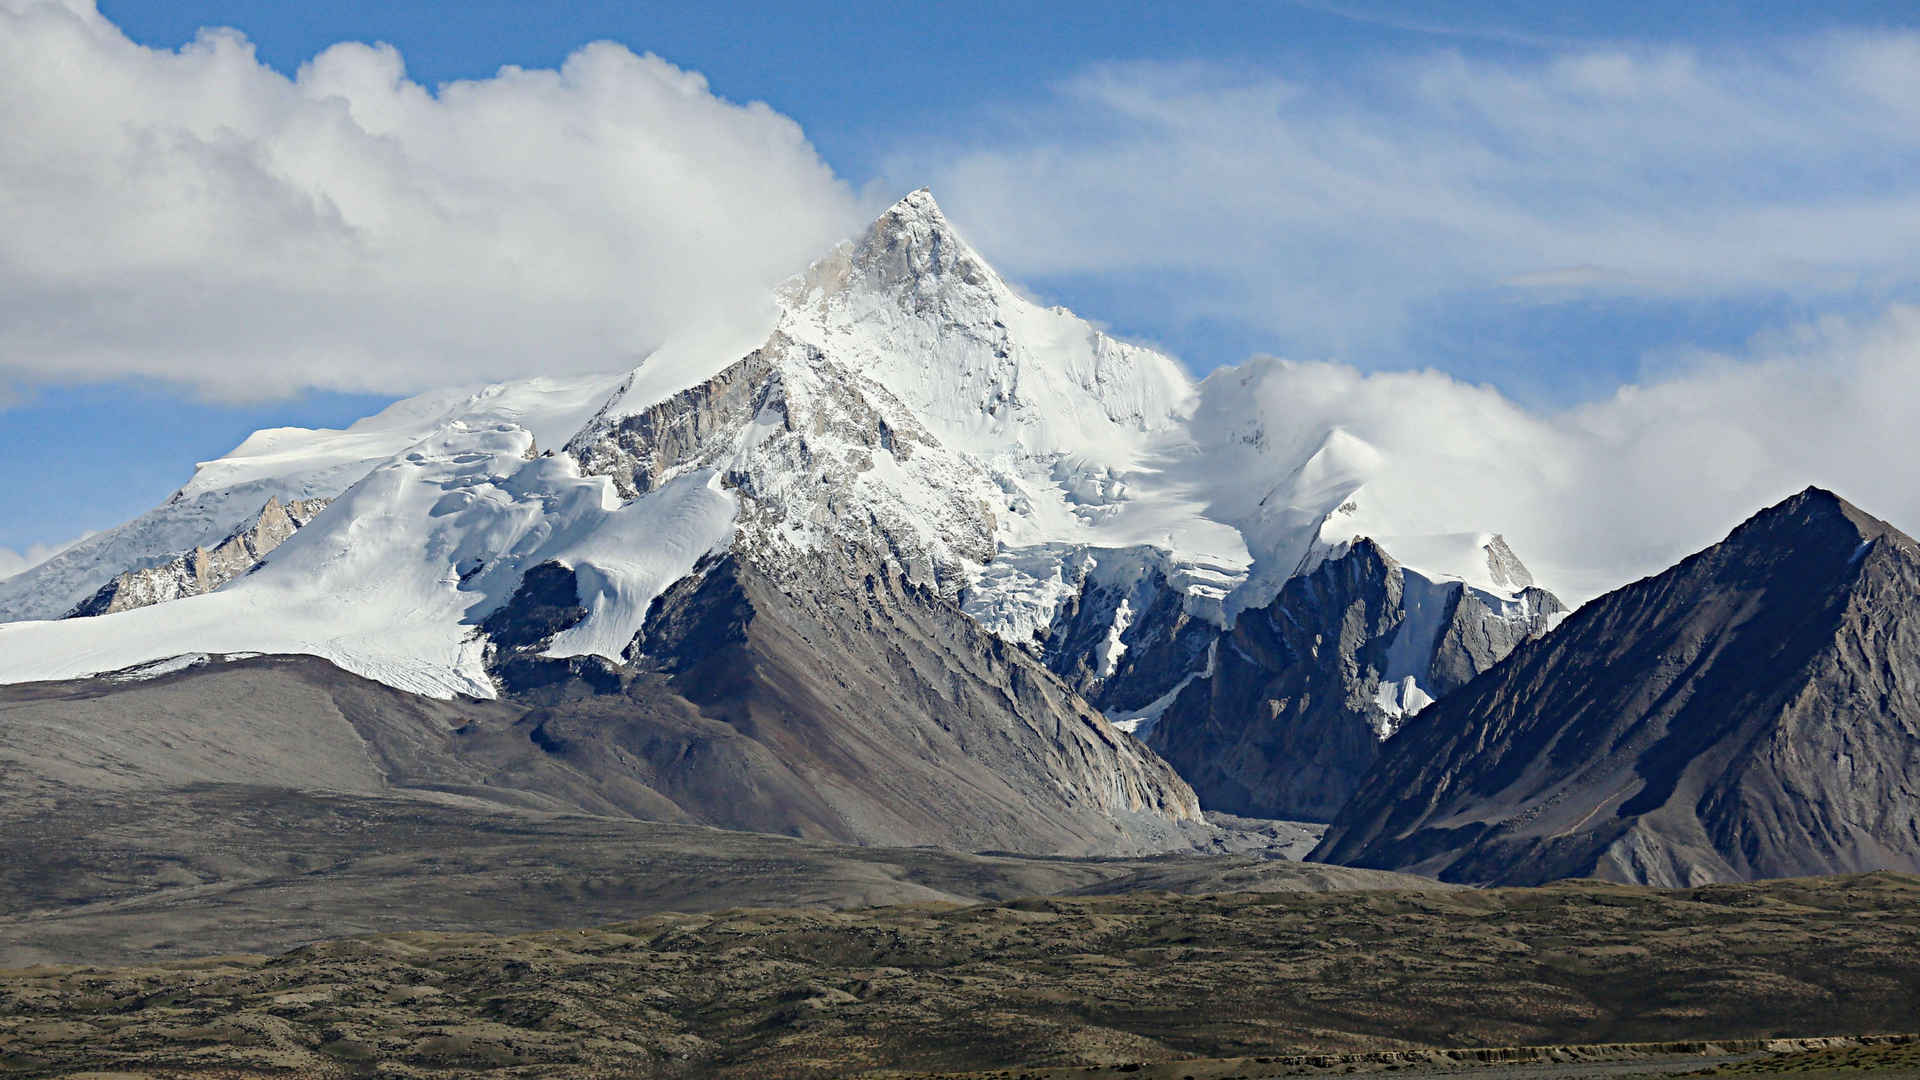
[{"x": 1140, "y": 979}]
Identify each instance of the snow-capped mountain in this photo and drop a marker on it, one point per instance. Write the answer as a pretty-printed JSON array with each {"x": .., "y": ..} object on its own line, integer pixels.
[
  {"x": 1019, "y": 447},
  {"x": 902, "y": 407}
]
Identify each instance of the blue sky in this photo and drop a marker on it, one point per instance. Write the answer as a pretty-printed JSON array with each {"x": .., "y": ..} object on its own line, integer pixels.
[{"x": 1557, "y": 200}]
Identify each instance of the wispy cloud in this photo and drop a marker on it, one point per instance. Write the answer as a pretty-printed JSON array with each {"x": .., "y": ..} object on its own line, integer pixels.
[
  {"x": 1330, "y": 209},
  {"x": 1393, "y": 21},
  {"x": 197, "y": 217},
  {"x": 12, "y": 562}
]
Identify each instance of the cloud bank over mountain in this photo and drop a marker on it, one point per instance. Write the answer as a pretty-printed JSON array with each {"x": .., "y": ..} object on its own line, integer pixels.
[
  {"x": 197, "y": 217},
  {"x": 1597, "y": 495},
  {"x": 12, "y": 562}
]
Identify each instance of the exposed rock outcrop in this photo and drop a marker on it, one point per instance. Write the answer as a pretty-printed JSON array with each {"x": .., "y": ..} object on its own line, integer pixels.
[
  {"x": 696, "y": 427},
  {"x": 518, "y": 633},
  {"x": 1752, "y": 712},
  {"x": 1124, "y": 636},
  {"x": 202, "y": 569},
  {"x": 1289, "y": 712},
  {"x": 817, "y": 454}
]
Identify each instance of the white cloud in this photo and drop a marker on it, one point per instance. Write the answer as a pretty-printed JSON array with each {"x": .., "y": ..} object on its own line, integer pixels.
[
  {"x": 1326, "y": 207},
  {"x": 12, "y": 562},
  {"x": 1598, "y": 495},
  {"x": 197, "y": 217}
]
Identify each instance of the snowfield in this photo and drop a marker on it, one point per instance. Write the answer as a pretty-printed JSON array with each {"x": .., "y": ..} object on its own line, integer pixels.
[
  {"x": 290, "y": 464},
  {"x": 390, "y": 580}
]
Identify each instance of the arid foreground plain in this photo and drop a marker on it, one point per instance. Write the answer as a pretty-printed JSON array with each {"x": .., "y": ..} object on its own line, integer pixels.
[{"x": 1145, "y": 984}]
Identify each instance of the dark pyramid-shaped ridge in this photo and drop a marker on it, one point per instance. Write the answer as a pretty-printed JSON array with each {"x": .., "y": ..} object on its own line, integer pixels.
[{"x": 1752, "y": 712}]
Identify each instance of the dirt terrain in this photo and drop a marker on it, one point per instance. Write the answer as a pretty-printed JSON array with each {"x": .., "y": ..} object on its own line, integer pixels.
[
  {"x": 1886, "y": 1057},
  {"x": 1130, "y": 984},
  {"x": 140, "y": 876}
]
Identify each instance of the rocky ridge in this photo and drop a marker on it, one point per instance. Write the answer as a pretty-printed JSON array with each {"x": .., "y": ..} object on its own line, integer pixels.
[
  {"x": 1295, "y": 700},
  {"x": 203, "y": 569},
  {"x": 1752, "y": 712},
  {"x": 815, "y": 455}
]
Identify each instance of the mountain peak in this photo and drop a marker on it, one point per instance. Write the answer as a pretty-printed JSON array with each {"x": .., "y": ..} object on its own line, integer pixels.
[
  {"x": 1803, "y": 518},
  {"x": 913, "y": 248},
  {"x": 918, "y": 202},
  {"x": 1814, "y": 501},
  {"x": 910, "y": 305}
]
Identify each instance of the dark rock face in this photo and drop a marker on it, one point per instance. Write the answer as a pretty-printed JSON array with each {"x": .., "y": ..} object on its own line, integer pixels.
[
  {"x": 1474, "y": 637},
  {"x": 1752, "y": 712},
  {"x": 1285, "y": 725},
  {"x": 1158, "y": 642},
  {"x": 864, "y": 708},
  {"x": 845, "y": 702},
  {"x": 1290, "y": 713},
  {"x": 546, "y": 603}
]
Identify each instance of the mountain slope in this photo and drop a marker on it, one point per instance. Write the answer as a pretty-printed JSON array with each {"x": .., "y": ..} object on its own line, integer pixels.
[
  {"x": 1288, "y": 715},
  {"x": 882, "y": 717},
  {"x": 857, "y": 705},
  {"x": 1752, "y": 712}
]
